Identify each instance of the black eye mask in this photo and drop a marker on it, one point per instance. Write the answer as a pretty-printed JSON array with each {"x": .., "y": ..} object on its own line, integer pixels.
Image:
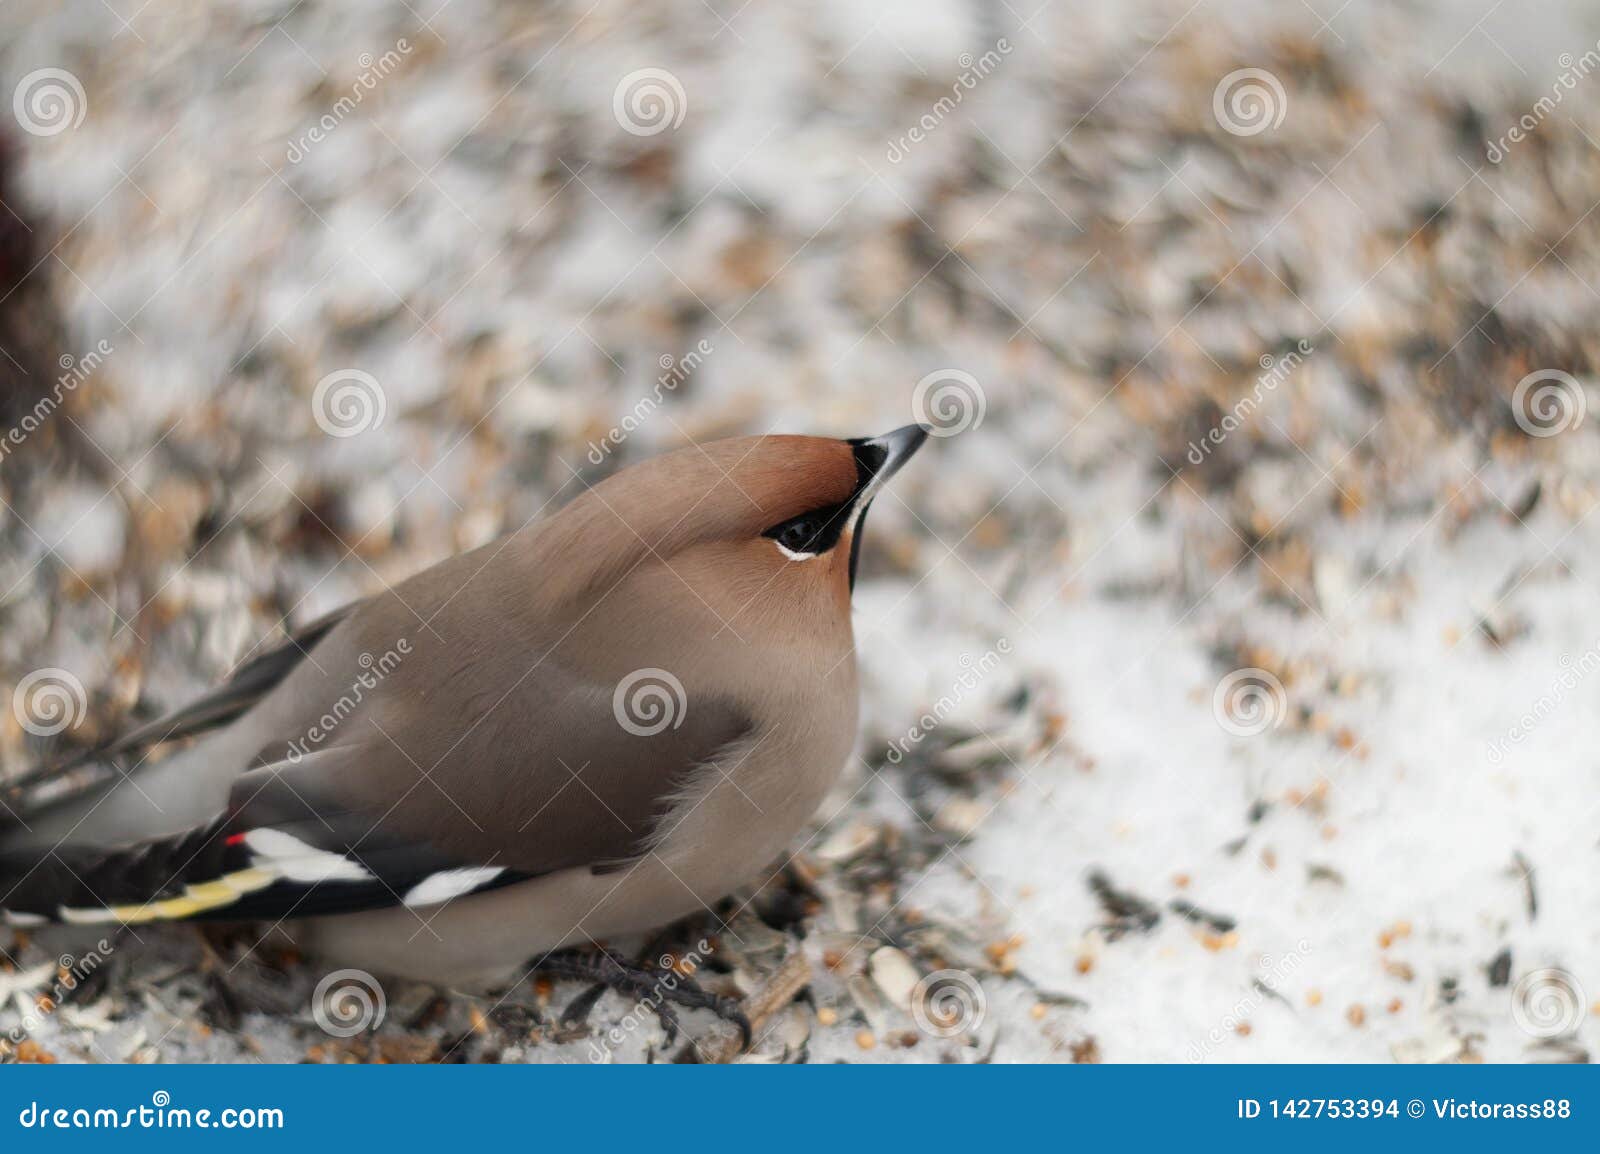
[{"x": 818, "y": 530}]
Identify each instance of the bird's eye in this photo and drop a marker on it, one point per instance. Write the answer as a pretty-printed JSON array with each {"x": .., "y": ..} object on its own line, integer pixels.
[
  {"x": 799, "y": 535},
  {"x": 810, "y": 534}
]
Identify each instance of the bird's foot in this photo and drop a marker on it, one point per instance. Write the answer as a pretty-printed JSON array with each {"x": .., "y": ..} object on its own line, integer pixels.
[{"x": 655, "y": 989}]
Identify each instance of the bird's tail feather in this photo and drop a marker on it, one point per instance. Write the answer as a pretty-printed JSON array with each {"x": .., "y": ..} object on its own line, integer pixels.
[{"x": 163, "y": 879}]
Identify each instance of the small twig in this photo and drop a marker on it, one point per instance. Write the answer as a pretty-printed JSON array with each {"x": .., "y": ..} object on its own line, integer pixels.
[{"x": 781, "y": 988}]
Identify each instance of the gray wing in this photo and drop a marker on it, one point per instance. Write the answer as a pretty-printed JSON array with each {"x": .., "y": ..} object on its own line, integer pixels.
[
  {"x": 396, "y": 810},
  {"x": 533, "y": 769}
]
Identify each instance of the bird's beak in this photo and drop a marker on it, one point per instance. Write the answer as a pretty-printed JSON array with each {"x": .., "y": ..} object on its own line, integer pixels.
[{"x": 878, "y": 459}]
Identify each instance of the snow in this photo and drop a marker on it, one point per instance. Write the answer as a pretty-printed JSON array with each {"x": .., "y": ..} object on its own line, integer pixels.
[{"x": 1081, "y": 238}]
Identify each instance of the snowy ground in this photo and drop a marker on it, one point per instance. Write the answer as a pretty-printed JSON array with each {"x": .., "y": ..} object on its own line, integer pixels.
[{"x": 1384, "y": 835}]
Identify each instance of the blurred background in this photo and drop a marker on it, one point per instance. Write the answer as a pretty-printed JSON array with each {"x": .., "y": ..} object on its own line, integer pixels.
[{"x": 1227, "y": 661}]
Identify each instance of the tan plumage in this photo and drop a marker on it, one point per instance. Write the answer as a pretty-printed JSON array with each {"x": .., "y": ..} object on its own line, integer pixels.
[{"x": 500, "y": 786}]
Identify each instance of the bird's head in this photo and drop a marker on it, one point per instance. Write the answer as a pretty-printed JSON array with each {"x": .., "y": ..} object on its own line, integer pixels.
[{"x": 759, "y": 530}]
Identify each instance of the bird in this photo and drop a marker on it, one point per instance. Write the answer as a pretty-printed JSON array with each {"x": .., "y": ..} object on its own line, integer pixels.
[{"x": 593, "y": 727}]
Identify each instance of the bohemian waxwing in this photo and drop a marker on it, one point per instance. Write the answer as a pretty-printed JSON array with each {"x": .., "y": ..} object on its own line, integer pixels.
[{"x": 602, "y": 723}]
